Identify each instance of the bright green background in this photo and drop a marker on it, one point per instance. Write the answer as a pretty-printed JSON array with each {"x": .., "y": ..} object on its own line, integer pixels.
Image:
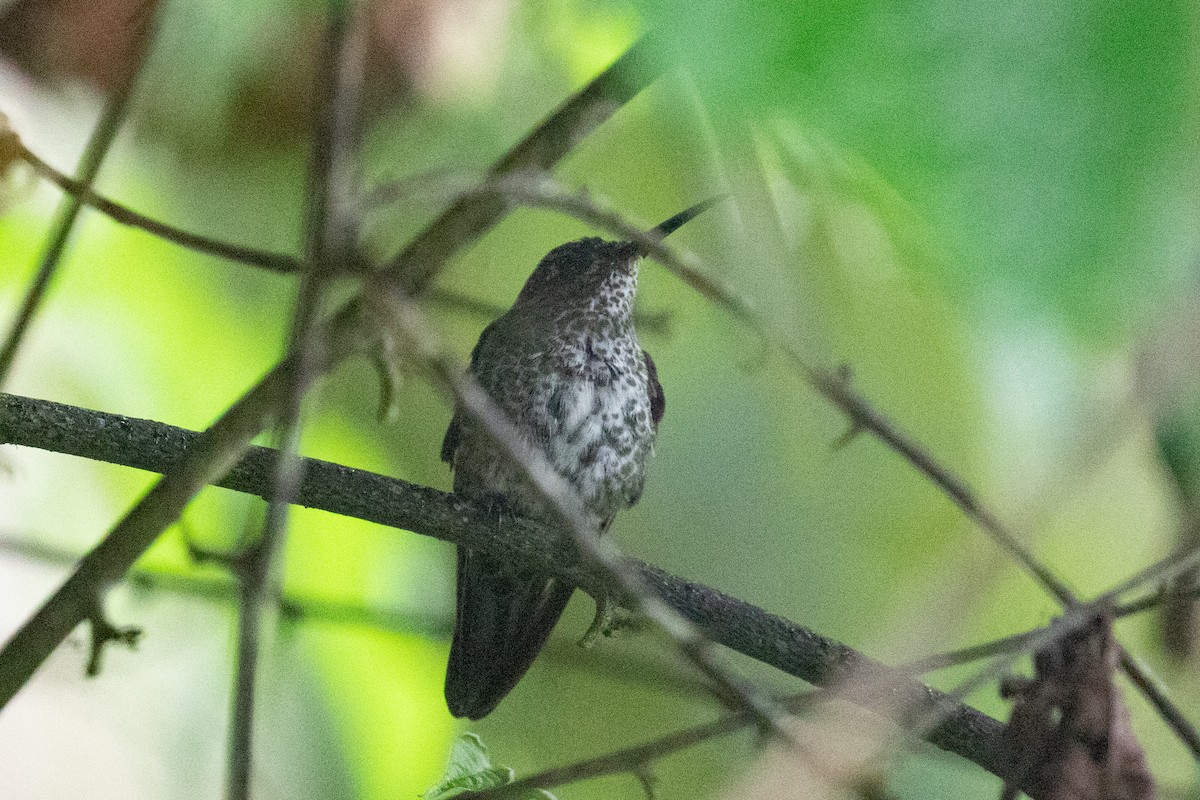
[{"x": 981, "y": 209}]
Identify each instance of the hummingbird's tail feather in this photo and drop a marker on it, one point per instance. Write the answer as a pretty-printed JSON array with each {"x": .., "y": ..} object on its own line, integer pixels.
[{"x": 502, "y": 623}]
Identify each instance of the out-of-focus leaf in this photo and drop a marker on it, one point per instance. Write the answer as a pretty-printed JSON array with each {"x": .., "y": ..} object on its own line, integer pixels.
[
  {"x": 1178, "y": 440},
  {"x": 471, "y": 770},
  {"x": 1069, "y": 736},
  {"x": 1047, "y": 142}
]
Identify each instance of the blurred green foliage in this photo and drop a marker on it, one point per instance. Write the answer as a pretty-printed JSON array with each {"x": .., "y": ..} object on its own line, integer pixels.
[
  {"x": 1049, "y": 144},
  {"x": 936, "y": 194}
]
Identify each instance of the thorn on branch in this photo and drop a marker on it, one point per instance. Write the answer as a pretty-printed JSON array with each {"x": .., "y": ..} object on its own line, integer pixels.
[
  {"x": 853, "y": 432},
  {"x": 199, "y": 554},
  {"x": 104, "y": 632},
  {"x": 648, "y": 781},
  {"x": 387, "y": 364},
  {"x": 241, "y": 562},
  {"x": 843, "y": 377}
]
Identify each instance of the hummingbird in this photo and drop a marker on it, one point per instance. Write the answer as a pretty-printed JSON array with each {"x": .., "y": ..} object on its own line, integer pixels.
[{"x": 564, "y": 364}]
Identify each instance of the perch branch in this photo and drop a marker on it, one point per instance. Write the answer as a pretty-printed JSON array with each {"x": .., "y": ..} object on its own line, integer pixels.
[{"x": 728, "y": 621}]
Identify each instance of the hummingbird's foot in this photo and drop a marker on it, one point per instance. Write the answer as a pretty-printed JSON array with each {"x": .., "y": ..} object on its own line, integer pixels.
[
  {"x": 610, "y": 618},
  {"x": 600, "y": 623}
]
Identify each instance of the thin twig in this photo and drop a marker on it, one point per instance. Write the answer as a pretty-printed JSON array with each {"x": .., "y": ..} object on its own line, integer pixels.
[
  {"x": 738, "y": 625},
  {"x": 222, "y": 589},
  {"x": 89, "y": 166},
  {"x": 336, "y": 95},
  {"x": 654, "y": 323},
  {"x": 629, "y": 759},
  {"x": 215, "y": 451},
  {"x": 1013, "y": 643},
  {"x": 1021, "y": 641},
  {"x": 264, "y": 259}
]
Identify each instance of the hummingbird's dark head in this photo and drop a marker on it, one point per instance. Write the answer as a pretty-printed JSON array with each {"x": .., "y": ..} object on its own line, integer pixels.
[
  {"x": 576, "y": 272},
  {"x": 595, "y": 274}
]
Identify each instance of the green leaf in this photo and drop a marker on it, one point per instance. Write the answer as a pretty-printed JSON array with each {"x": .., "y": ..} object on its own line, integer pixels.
[{"x": 471, "y": 770}]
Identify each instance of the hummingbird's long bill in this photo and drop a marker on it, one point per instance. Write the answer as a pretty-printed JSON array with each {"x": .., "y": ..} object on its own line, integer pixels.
[{"x": 666, "y": 228}]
